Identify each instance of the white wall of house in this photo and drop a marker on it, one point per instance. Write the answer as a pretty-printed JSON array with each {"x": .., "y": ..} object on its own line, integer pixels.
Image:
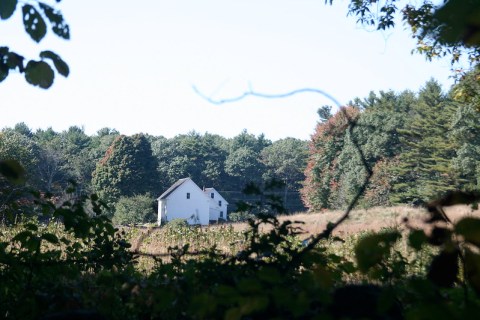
[
  {"x": 218, "y": 204},
  {"x": 194, "y": 208}
]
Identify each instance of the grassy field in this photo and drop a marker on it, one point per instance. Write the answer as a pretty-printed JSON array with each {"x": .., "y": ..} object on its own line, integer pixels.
[{"x": 230, "y": 238}]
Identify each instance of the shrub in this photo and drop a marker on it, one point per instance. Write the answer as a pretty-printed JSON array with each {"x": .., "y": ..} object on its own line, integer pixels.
[
  {"x": 240, "y": 216},
  {"x": 136, "y": 209},
  {"x": 177, "y": 224}
]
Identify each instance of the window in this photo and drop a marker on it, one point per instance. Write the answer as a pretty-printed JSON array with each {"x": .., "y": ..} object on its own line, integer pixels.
[
  {"x": 188, "y": 195},
  {"x": 219, "y": 203},
  {"x": 212, "y": 195},
  {"x": 221, "y": 214}
]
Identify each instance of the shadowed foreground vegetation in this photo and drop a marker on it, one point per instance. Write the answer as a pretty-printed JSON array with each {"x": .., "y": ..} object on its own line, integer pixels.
[{"x": 85, "y": 267}]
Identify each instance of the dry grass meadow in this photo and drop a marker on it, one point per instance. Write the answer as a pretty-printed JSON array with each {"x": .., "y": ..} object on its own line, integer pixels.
[{"x": 229, "y": 238}]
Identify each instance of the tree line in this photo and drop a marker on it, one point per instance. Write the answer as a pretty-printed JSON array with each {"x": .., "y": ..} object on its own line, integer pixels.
[
  {"x": 131, "y": 171},
  {"x": 419, "y": 146}
]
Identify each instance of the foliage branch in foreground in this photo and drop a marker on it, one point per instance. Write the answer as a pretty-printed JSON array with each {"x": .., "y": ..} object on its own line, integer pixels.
[
  {"x": 37, "y": 16},
  {"x": 451, "y": 29}
]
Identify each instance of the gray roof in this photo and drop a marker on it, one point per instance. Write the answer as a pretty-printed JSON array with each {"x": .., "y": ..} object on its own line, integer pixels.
[{"x": 172, "y": 188}]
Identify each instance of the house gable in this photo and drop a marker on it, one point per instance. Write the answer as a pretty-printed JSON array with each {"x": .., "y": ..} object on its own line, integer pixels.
[
  {"x": 218, "y": 204},
  {"x": 174, "y": 187},
  {"x": 183, "y": 200},
  {"x": 216, "y": 195}
]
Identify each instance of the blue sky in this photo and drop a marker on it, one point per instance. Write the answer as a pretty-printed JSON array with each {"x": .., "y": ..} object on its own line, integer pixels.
[{"x": 133, "y": 65}]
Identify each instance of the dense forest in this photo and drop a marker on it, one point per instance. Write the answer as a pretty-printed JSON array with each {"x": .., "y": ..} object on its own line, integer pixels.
[
  {"x": 137, "y": 169},
  {"x": 418, "y": 146}
]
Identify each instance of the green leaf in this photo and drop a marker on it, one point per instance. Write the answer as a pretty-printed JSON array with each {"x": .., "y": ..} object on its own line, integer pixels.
[
  {"x": 59, "y": 25},
  {"x": 33, "y": 22},
  {"x": 13, "y": 171},
  {"x": 59, "y": 64},
  {"x": 469, "y": 228},
  {"x": 7, "y": 8},
  {"x": 374, "y": 248},
  {"x": 39, "y": 73}
]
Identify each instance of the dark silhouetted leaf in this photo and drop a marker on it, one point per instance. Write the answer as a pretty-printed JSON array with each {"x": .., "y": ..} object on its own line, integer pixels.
[
  {"x": 50, "y": 237},
  {"x": 3, "y": 71},
  {"x": 59, "y": 25},
  {"x": 15, "y": 61},
  {"x": 457, "y": 197},
  {"x": 439, "y": 236},
  {"x": 34, "y": 24},
  {"x": 416, "y": 239},
  {"x": 22, "y": 236},
  {"x": 39, "y": 73},
  {"x": 472, "y": 269},
  {"x": 59, "y": 64},
  {"x": 7, "y": 8},
  {"x": 469, "y": 228},
  {"x": 450, "y": 29},
  {"x": 31, "y": 226},
  {"x": 436, "y": 214},
  {"x": 364, "y": 302},
  {"x": 13, "y": 171},
  {"x": 372, "y": 249},
  {"x": 443, "y": 270}
]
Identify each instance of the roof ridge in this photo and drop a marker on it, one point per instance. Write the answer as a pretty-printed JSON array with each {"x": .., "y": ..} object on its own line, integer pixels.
[{"x": 173, "y": 187}]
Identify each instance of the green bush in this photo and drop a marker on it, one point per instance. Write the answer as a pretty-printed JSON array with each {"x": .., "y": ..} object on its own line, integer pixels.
[
  {"x": 177, "y": 224},
  {"x": 240, "y": 216},
  {"x": 136, "y": 209}
]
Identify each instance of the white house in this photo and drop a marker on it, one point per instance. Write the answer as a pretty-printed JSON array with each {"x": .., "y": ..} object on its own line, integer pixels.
[{"x": 185, "y": 200}]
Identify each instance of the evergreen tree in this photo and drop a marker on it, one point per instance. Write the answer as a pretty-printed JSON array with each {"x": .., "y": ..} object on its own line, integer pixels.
[
  {"x": 466, "y": 136},
  {"x": 425, "y": 169},
  {"x": 376, "y": 134},
  {"x": 127, "y": 169}
]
